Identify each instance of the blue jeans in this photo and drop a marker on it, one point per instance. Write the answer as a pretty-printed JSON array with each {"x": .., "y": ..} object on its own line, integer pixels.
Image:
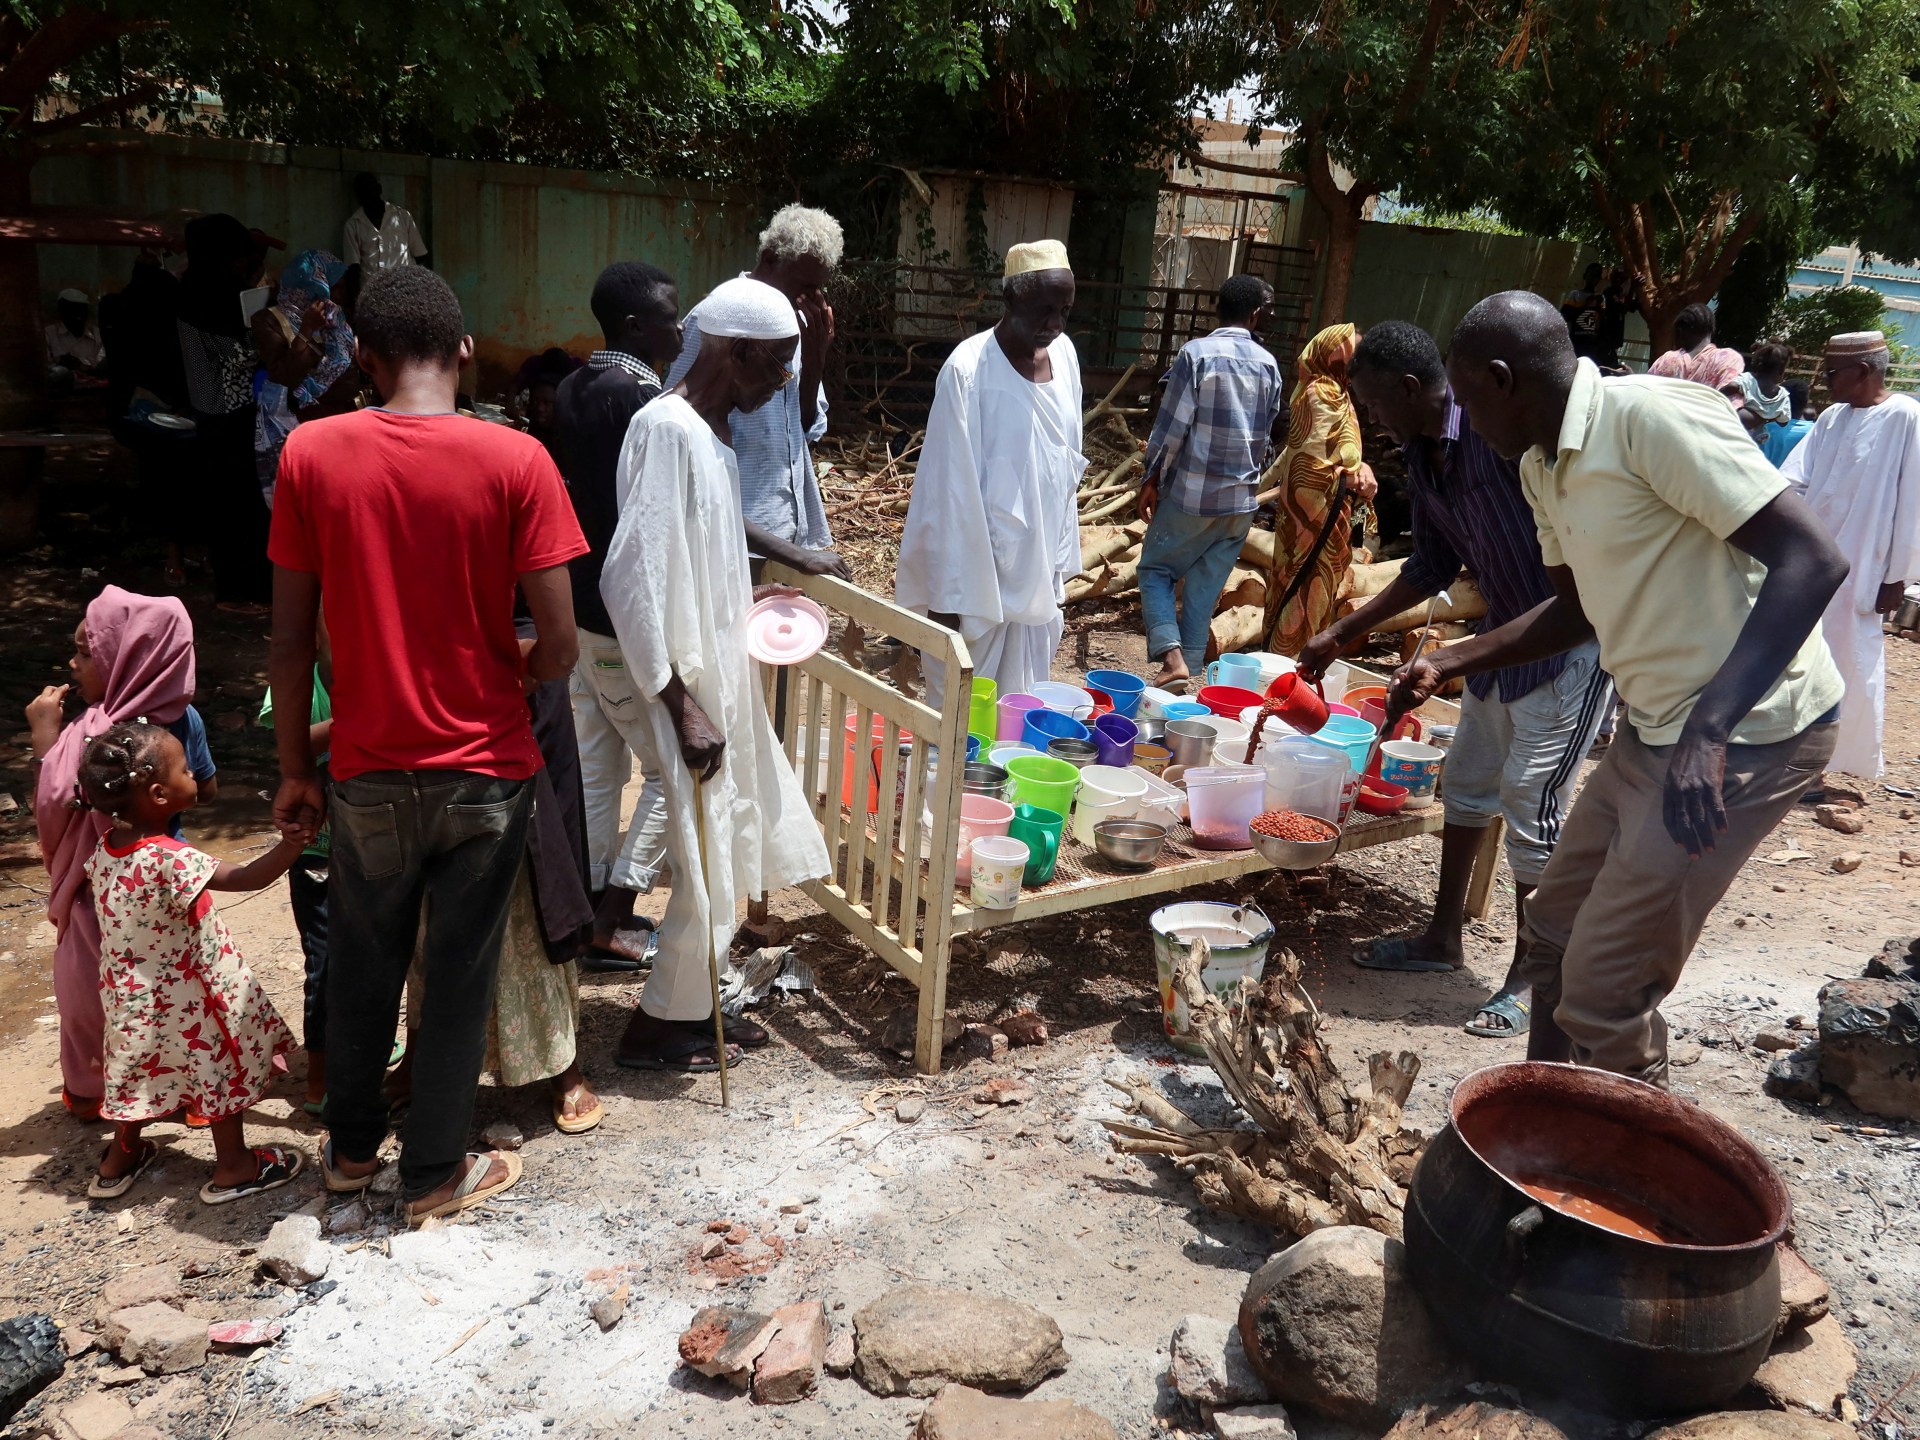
[{"x": 1200, "y": 548}]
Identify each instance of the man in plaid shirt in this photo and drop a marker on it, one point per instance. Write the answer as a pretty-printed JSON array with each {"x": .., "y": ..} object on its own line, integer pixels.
[{"x": 1203, "y": 471}]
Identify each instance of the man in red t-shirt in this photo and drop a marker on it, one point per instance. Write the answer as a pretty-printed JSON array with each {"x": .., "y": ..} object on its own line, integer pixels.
[{"x": 417, "y": 524}]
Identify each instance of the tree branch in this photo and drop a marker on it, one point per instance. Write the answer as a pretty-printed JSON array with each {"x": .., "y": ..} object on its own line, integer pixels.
[
  {"x": 1420, "y": 70},
  {"x": 140, "y": 95},
  {"x": 52, "y": 49}
]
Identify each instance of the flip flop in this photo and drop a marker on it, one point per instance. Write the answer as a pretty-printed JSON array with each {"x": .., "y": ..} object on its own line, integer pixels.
[
  {"x": 1397, "y": 954},
  {"x": 473, "y": 1189},
  {"x": 314, "y": 1108},
  {"x": 1516, "y": 1012},
  {"x": 337, "y": 1184},
  {"x": 677, "y": 1052},
  {"x": 605, "y": 959},
  {"x": 580, "y": 1123},
  {"x": 101, "y": 1188},
  {"x": 279, "y": 1164}
]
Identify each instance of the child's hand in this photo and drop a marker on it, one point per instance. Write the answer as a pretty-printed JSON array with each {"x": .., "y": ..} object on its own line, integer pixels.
[{"x": 44, "y": 708}]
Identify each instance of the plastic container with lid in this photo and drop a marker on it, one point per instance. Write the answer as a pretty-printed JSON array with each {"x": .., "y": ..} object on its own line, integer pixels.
[
  {"x": 1222, "y": 801},
  {"x": 1304, "y": 778}
]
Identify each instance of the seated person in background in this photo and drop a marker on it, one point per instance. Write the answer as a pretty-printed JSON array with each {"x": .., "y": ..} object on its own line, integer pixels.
[{"x": 74, "y": 351}]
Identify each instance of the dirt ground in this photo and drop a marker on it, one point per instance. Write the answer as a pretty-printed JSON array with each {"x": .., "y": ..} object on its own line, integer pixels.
[{"x": 481, "y": 1328}]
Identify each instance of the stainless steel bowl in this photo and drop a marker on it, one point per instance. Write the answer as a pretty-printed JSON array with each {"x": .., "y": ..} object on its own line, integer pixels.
[
  {"x": 1191, "y": 741},
  {"x": 1296, "y": 854},
  {"x": 1133, "y": 843},
  {"x": 1077, "y": 753},
  {"x": 984, "y": 779},
  {"x": 1152, "y": 732}
]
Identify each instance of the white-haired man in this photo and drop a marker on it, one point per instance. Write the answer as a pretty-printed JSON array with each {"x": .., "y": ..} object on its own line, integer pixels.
[
  {"x": 779, "y": 493},
  {"x": 677, "y": 589},
  {"x": 992, "y": 531},
  {"x": 1860, "y": 472}
]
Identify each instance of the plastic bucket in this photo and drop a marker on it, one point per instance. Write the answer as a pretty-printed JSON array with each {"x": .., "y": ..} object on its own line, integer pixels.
[
  {"x": 1043, "y": 727},
  {"x": 1306, "y": 779},
  {"x": 1185, "y": 710},
  {"x": 865, "y": 760},
  {"x": 979, "y": 815},
  {"x": 1124, "y": 689},
  {"x": 1067, "y": 699},
  {"x": 999, "y": 865},
  {"x": 1088, "y": 812},
  {"x": 1010, "y": 714},
  {"x": 1103, "y": 784},
  {"x": 1350, "y": 736},
  {"x": 981, "y": 718},
  {"x": 1237, "y": 938},
  {"x": 1114, "y": 736},
  {"x": 1044, "y": 781},
  {"x": 1007, "y": 750},
  {"x": 1227, "y": 700}
]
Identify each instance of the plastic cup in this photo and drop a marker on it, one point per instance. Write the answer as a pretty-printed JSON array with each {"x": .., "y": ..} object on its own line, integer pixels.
[
  {"x": 1413, "y": 765},
  {"x": 1241, "y": 670},
  {"x": 1041, "y": 831},
  {"x": 1010, "y": 713},
  {"x": 999, "y": 866},
  {"x": 1114, "y": 736},
  {"x": 981, "y": 716},
  {"x": 979, "y": 815}
]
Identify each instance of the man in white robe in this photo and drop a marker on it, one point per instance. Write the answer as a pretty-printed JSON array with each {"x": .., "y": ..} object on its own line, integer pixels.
[
  {"x": 1860, "y": 472},
  {"x": 677, "y": 589},
  {"x": 992, "y": 532}
]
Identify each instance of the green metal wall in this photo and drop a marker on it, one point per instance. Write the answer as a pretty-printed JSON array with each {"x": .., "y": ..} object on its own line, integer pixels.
[
  {"x": 520, "y": 244},
  {"x": 1433, "y": 277}
]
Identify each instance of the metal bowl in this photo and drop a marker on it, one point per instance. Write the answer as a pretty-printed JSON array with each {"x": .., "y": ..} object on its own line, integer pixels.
[
  {"x": 1296, "y": 854},
  {"x": 1077, "y": 753},
  {"x": 1132, "y": 843},
  {"x": 1152, "y": 732},
  {"x": 983, "y": 779}
]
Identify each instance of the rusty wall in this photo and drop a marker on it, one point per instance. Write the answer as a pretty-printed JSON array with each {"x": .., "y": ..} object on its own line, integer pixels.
[{"x": 520, "y": 244}]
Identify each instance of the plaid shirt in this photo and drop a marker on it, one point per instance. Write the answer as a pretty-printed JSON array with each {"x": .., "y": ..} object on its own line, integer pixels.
[{"x": 1210, "y": 437}]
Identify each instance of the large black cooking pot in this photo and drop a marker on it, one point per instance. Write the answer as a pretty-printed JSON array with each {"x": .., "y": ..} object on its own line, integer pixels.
[{"x": 1565, "y": 1305}]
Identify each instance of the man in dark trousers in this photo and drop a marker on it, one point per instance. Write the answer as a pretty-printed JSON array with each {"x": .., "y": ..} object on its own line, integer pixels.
[{"x": 638, "y": 308}]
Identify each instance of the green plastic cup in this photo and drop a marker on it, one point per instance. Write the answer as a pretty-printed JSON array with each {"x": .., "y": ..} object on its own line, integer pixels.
[{"x": 1041, "y": 830}]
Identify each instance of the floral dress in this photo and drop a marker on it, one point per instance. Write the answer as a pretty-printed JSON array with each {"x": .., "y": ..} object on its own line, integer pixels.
[{"x": 187, "y": 1024}]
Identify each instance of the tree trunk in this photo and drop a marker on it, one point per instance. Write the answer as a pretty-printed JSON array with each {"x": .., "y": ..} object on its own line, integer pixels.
[
  {"x": 23, "y": 371},
  {"x": 1343, "y": 239}
]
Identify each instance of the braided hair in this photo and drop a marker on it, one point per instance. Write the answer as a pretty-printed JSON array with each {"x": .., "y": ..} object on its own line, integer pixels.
[{"x": 116, "y": 764}]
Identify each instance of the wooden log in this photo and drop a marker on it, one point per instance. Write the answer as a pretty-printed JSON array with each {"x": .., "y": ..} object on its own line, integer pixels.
[
  {"x": 1467, "y": 604},
  {"x": 1437, "y": 638},
  {"x": 1258, "y": 549},
  {"x": 1244, "y": 587},
  {"x": 1100, "y": 543},
  {"x": 1121, "y": 502},
  {"x": 1372, "y": 579},
  {"x": 1239, "y": 628}
]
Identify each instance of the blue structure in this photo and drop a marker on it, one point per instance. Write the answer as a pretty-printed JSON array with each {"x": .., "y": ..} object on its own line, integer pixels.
[{"x": 1899, "y": 286}]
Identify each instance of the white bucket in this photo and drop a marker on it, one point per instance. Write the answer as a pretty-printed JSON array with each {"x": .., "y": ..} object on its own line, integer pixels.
[{"x": 1237, "y": 937}]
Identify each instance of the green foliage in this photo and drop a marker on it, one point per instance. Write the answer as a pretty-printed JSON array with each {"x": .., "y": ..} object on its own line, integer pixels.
[
  {"x": 1806, "y": 321},
  {"x": 1757, "y": 283},
  {"x": 1479, "y": 222}
]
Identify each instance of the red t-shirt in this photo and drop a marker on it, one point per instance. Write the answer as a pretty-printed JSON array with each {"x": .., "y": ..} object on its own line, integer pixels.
[{"x": 419, "y": 527}]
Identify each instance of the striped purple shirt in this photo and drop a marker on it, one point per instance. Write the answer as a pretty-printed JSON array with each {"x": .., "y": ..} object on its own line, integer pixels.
[{"x": 1468, "y": 510}]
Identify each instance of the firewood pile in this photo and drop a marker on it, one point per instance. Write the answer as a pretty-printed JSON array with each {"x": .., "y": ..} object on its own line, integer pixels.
[{"x": 1323, "y": 1155}]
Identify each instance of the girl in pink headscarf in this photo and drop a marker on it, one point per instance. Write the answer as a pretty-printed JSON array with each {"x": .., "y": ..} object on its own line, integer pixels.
[{"x": 133, "y": 659}]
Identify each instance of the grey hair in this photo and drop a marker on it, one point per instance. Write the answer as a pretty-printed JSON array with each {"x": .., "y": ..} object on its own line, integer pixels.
[
  {"x": 1879, "y": 361},
  {"x": 798, "y": 231},
  {"x": 1012, "y": 287}
]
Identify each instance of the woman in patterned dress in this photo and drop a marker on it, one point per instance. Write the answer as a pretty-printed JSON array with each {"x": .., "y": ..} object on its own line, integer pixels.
[
  {"x": 1323, "y": 446},
  {"x": 188, "y": 1027}
]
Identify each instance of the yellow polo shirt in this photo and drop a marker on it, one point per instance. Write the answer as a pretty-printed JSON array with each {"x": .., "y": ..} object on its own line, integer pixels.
[{"x": 1651, "y": 477}]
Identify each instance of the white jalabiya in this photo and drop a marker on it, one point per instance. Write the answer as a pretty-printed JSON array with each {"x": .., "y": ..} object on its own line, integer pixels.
[
  {"x": 1859, "y": 469},
  {"x": 992, "y": 530},
  {"x": 677, "y": 588}
]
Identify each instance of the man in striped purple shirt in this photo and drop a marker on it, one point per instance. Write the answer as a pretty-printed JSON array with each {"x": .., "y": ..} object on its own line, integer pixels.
[{"x": 1523, "y": 730}]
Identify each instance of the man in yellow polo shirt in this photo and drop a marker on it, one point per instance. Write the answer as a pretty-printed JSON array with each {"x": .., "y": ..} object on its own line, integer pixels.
[{"x": 1669, "y": 537}]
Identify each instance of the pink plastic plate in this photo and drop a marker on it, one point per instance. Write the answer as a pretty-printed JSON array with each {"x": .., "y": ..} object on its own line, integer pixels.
[{"x": 785, "y": 630}]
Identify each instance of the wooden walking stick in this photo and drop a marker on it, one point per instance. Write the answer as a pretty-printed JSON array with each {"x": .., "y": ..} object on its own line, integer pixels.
[{"x": 713, "y": 957}]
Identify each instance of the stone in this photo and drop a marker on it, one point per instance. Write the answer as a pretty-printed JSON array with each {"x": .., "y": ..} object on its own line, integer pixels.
[
  {"x": 89, "y": 1417},
  {"x": 1795, "y": 1076},
  {"x": 985, "y": 1042},
  {"x": 1870, "y": 1044},
  {"x": 1003, "y": 1090},
  {"x": 608, "y": 1310},
  {"x": 1775, "y": 1040},
  {"x": 1809, "y": 1369},
  {"x": 149, "y": 1285},
  {"x": 960, "y": 1413},
  {"x": 789, "y": 1368},
  {"x": 1255, "y": 1422},
  {"x": 1848, "y": 861},
  {"x": 139, "y": 1432},
  {"x": 792, "y": 1205},
  {"x": 839, "y": 1357},
  {"x": 348, "y": 1218},
  {"x": 78, "y": 1342},
  {"x": 723, "y": 1342},
  {"x": 1208, "y": 1364},
  {"x": 119, "y": 1375},
  {"x": 502, "y": 1135},
  {"x": 157, "y": 1338},
  {"x": 1333, "y": 1323},
  {"x": 1755, "y": 1425},
  {"x": 1026, "y": 1028},
  {"x": 1840, "y": 818},
  {"x": 1473, "y": 1420},
  {"x": 917, "y": 1337},
  {"x": 909, "y": 1108},
  {"x": 294, "y": 1252},
  {"x": 1803, "y": 1294}
]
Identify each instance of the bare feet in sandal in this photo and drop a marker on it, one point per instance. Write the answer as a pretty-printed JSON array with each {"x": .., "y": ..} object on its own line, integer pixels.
[
  {"x": 685, "y": 1046},
  {"x": 576, "y": 1109},
  {"x": 498, "y": 1172}
]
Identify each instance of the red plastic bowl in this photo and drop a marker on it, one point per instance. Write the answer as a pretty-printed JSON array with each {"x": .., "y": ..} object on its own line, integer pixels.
[
  {"x": 1227, "y": 700},
  {"x": 1380, "y": 797}
]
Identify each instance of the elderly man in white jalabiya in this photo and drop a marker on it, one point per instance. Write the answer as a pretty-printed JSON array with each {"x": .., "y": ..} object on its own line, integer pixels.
[
  {"x": 677, "y": 589},
  {"x": 992, "y": 530},
  {"x": 1859, "y": 469}
]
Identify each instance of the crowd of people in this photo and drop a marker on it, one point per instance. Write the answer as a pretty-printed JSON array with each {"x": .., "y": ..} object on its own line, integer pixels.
[{"x": 451, "y": 802}]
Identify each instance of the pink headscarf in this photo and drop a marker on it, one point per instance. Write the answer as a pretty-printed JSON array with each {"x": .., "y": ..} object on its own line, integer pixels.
[
  {"x": 143, "y": 647},
  {"x": 1715, "y": 366}
]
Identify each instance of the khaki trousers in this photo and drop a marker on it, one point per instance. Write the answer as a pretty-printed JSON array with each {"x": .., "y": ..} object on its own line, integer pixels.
[{"x": 1621, "y": 904}]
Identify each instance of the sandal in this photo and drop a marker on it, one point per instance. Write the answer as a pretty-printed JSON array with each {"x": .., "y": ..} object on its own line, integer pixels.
[
  {"x": 315, "y": 1108},
  {"x": 336, "y": 1183},
  {"x": 679, "y": 1049},
  {"x": 1397, "y": 954},
  {"x": 583, "y": 1121},
  {"x": 621, "y": 955},
  {"x": 472, "y": 1189},
  {"x": 101, "y": 1188},
  {"x": 278, "y": 1165},
  {"x": 747, "y": 1034},
  {"x": 1513, "y": 1014}
]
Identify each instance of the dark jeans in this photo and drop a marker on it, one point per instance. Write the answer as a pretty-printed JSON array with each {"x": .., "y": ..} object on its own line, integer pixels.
[
  {"x": 307, "y": 889},
  {"x": 449, "y": 843}
]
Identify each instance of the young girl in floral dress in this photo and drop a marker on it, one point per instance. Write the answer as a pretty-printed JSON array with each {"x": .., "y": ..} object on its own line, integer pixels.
[{"x": 187, "y": 1024}]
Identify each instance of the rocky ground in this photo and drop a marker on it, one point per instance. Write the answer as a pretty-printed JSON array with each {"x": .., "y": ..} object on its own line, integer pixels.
[{"x": 488, "y": 1327}]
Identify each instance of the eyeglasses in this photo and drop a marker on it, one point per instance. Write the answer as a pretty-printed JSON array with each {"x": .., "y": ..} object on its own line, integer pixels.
[{"x": 1828, "y": 372}]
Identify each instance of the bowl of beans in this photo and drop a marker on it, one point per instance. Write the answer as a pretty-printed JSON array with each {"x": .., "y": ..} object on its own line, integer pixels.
[{"x": 1292, "y": 841}]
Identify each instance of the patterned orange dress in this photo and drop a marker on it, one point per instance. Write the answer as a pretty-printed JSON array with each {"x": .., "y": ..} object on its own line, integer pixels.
[{"x": 1323, "y": 439}]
